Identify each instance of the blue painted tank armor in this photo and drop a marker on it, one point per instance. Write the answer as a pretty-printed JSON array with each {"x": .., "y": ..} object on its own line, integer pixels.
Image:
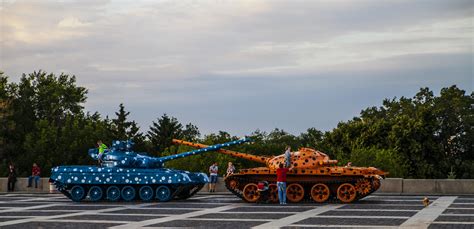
[{"x": 132, "y": 174}]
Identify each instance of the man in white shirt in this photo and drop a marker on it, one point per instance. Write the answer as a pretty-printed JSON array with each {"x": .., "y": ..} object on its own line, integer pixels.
[{"x": 213, "y": 176}]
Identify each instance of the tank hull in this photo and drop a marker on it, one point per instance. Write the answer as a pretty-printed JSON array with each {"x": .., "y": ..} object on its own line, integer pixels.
[{"x": 105, "y": 183}]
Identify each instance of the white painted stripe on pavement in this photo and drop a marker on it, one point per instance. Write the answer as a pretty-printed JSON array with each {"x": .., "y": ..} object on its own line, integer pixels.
[
  {"x": 193, "y": 209},
  {"x": 86, "y": 212},
  {"x": 338, "y": 226},
  {"x": 214, "y": 219},
  {"x": 16, "y": 216},
  {"x": 298, "y": 216},
  {"x": 451, "y": 222},
  {"x": 456, "y": 214},
  {"x": 201, "y": 197},
  {"x": 377, "y": 210},
  {"x": 65, "y": 221},
  {"x": 360, "y": 217},
  {"x": 348, "y": 226},
  {"x": 427, "y": 215},
  {"x": 236, "y": 212},
  {"x": 14, "y": 209}
]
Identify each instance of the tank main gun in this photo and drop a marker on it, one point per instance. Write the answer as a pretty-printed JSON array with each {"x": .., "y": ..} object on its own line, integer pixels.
[
  {"x": 260, "y": 159},
  {"x": 303, "y": 158},
  {"x": 121, "y": 155}
]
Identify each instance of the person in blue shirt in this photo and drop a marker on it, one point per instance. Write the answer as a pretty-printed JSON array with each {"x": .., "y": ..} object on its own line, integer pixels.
[{"x": 288, "y": 157}]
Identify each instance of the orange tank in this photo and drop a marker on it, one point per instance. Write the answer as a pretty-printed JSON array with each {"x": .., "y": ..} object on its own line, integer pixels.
[{"x": 314, "y": 177}]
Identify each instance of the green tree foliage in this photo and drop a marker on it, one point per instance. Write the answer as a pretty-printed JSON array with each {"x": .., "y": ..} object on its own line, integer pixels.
[
  {"x": 385, "y": 159},
  {"x": 191, "y": 132},
  {"x": 121, "y": 125},
  {"x": 47, "y": 124},
  {"x": 163, "y": 131},
  {"x": 122, "y": 129},
  {"x": 428, "y": 134},
  {"x": 7, "y": 126}
]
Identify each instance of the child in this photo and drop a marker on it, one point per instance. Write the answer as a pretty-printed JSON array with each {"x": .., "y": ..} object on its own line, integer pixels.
[{"x": 264, "y": 192}]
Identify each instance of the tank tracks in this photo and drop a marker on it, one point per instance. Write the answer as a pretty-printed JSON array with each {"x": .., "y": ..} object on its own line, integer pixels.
[
  {"x": 161, "y": 193},
  {"x": 363, "y": 187}
]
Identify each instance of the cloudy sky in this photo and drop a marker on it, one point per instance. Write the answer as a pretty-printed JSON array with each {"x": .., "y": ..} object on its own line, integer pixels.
[{"x": 239, "y": 66}]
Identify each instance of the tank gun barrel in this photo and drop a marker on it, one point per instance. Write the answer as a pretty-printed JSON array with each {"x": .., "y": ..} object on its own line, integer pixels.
[
  {"x": 202, "y": 150},
  {"x": 260, "y": 159}
]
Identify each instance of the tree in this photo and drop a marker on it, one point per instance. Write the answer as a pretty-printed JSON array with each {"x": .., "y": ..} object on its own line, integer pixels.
[
  {"x": 120, "y": 124},
  {"x": 123, "y": 129},
  {"x": 7, "y": 126},
  {"x": 191, "y": 132},
  {"x": 163, "y": 131},
  {"x": 454, "y": 113},
  {"x": 428, "y": 134},
  {"x": 312, "y": 138}
]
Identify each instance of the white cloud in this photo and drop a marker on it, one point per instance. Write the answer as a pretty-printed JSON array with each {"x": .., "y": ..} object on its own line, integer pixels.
[{"x": 71, "y": 22}]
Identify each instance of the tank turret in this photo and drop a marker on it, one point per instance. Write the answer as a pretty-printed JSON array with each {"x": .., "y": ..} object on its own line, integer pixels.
[
  {"x": 313, "y": 173},
  {"x": 127, "y": 175}
]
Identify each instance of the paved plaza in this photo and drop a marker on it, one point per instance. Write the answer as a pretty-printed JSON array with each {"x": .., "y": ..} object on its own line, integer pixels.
[{"x": 227, "y": 211}]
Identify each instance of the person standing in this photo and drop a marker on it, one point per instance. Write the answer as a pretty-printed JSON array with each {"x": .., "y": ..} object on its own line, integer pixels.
[
  {"x": 11, "y": 177},
  {"x": 288, "y": 157},
  {"x": 230, "y": 169},
  {"x": 102, "y": 149},
  {"x": 35, "y": 174},
  {"x": 213, "y": 169},
  {"x": 281, "y": 183}
]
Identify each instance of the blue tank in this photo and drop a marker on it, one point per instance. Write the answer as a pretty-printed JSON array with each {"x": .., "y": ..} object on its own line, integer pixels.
[{"x": 126, "y": 175}]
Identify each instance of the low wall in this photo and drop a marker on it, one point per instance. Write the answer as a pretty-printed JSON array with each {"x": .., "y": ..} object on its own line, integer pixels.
[
  {"x": 427, "y": 186},
  {"x": 389, "y": 185},
  {"x": 22, "y": 182}
]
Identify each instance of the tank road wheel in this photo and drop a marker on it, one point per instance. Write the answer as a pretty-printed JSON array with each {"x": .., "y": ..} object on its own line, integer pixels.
[
  {"x": 320, "y": 193},
  {"x": 273, "y": 193},
  {"x": 346, "y": 193},
  {"x": 128, "y": 193},
  {"x": 77, "y": 193},
  {"x": 294, "y": 192},
  {"x": 250, "y": 193},
  {"x": 163, "y": 193},
  {"x": 146, "y": 193},
  {"x": 95, "y": 193},
  {"x": 233, "y": 184},
  {"x": 363, "y": 186},
  {"x": 113, "y": 193}
]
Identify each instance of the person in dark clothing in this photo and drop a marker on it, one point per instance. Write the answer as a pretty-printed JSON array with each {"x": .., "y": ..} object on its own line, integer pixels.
[
  {"x": 264, "y": 191},
  {"x": 11, "y": 177},
  {"x": 35, "y": 174}
]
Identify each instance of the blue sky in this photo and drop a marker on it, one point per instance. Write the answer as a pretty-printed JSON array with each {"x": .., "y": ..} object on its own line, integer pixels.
[{"x": 239, "y": 66}]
